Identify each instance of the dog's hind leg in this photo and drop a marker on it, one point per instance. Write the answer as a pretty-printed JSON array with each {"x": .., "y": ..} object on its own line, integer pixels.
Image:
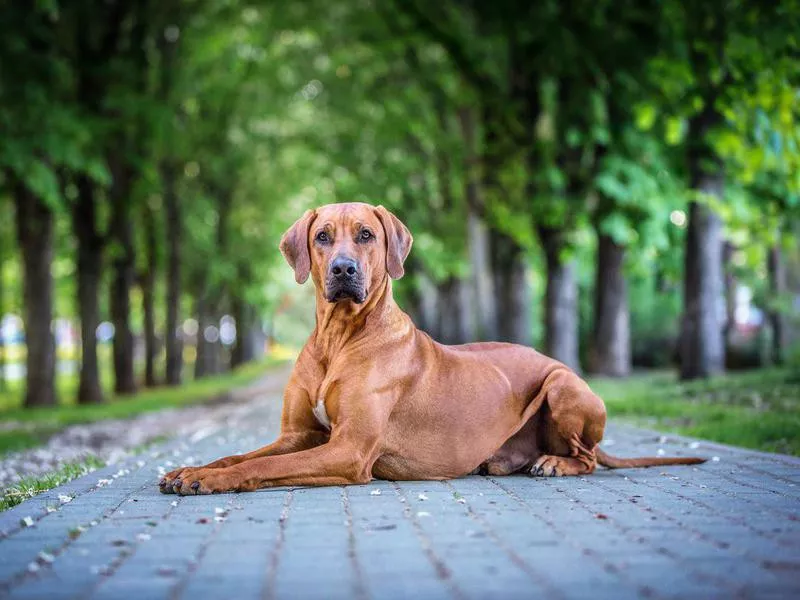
[{"x": 572, "y": 420}]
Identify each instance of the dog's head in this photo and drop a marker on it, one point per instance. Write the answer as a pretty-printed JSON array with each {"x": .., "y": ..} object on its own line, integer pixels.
[{"x": 347, "y": 248}]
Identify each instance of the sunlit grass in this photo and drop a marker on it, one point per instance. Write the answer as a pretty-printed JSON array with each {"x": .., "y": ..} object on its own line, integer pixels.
[{"x": 757, "y": 409}]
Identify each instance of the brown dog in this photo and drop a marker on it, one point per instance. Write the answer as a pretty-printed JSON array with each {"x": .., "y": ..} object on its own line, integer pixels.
[{"x": 372, "y": 396}]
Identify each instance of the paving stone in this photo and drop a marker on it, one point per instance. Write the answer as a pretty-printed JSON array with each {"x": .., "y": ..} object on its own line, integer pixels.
[{"x": 724, "y": 529}]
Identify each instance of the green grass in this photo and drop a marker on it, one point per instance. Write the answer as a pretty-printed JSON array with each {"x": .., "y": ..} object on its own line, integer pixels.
[
  {"x": 26, "y": 428},
  {"x": 31, "y": 486},
  {"x": 756, "y": 409}
]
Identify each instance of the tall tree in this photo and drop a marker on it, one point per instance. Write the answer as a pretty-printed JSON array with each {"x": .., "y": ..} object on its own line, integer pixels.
[
  {"x": 146, "y": 278},
  {"x": 90, "y": 243},
  {"x": 35, "y": 235}
]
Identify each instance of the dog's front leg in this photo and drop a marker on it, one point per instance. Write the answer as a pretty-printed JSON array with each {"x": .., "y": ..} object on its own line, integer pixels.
[
  {"x": 338, "y": 462},
  {"x": 286, "y": 443},
  {"x": 299, "y": 431}
]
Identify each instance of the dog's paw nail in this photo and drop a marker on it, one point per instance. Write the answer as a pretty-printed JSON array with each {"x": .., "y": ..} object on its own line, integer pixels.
[
  {"x": 196, "y": 485},
  {"x": 553, "y": 473},
  {"x": 162, "y": 483},
  {"x": 177, "y": 483}
]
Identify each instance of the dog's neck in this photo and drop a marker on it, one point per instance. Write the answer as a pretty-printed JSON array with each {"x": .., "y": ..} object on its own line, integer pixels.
[{"x": 338, "y": 323}]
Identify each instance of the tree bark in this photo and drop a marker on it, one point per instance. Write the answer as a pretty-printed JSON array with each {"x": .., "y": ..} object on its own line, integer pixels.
[
  {"x": 35, "y": 235},
  {"x": 173, "y": 337},
  {"x": 702, "y": 350},
  {"x": 730, "y": 291},
  {"x": 250, "y": 336},
  {"x": 90, "y": 265},
  {"x": 484, "y": 312},
  {"x": 561, "y": 301},
  {"x": 611, "y": 337},
  {"x": 455, "y": 308},
  {"x": 415, "y": 303},
  {"x": 482, "y": 284},
  {"x": 147, "y": 284},
  {"x": 208, "y": 350},
  {"x": 513, "y": 294},
  {"x": 778, "y": 285},
  {"x": 123, "y": 276},
  {"x": 150, "y": 338},
  {"x": 702, "y": 338}
]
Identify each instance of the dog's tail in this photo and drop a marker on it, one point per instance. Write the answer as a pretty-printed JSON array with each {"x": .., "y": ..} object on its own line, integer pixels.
[{"x": 612, "y": 462}]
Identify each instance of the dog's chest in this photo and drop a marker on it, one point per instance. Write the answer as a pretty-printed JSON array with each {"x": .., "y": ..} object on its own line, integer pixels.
[
  {"x": 321, "y": 414},
  {"x": 325, "y": 407}
]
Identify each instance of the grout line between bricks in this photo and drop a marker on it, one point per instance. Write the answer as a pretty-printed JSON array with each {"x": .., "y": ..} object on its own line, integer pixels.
[
  {"x": 22, "y": 576},
  {"x": 180, "y": 585},
  {"x": 697, "y": 574},
  {"x": 742, "y": 522},
  {"x": 609, "y": 567},
  {"x": 536, "y": 576},
  {"x": 123, "y": 555},
  {"x": 360, "y": 590},
  {"x": 275, "y": 557},
  {"x": 438, "y": 564}
]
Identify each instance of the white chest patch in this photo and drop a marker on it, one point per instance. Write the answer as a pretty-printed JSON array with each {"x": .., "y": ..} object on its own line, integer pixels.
[{"x": 322, "y": 415}]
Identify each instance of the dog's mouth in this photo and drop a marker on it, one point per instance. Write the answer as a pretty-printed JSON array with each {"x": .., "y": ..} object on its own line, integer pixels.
[{"x": 343, "y": 293}]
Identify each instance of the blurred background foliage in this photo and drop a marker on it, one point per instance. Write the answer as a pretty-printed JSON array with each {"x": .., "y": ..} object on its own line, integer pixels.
[{"x": 614, "y": 182}]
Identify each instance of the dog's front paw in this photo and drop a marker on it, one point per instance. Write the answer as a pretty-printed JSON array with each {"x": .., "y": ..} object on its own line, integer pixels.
[
  {"x": 197, "y": 481},
  {"x": 172, "y": 482}
]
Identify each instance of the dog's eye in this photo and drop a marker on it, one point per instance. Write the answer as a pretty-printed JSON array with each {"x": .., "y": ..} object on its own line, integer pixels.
[
  {"x": 365, "y": 235},
  {"x": 323, "y": 237}
]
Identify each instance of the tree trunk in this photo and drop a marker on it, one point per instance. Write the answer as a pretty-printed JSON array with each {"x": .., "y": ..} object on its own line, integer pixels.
[
  {"x": 611, "y": 338},
  {"x": 150, "y": 338},
  {"x": 90, "y": 265},
  {"x": 779, "y": 289},
  {"x": 454, "y": 308},
  {"x": 702, "y": 339},
  {"x": 561, "y": 301},
  {"x": 512, "y": 291},
  {"x": 173, "y": 337},
  {"x": 250, "y": 336},
  {"x": 415, "y": 302},
  {"x": 35, "y": 235},
  {"x": 123, "y": 276},
  {"x": 484, "y": 313},
  {"x": 730, "y": 291},
  {"x": 482, "y": 285},
  {"x": 208, "y": 346},
  {"x": 702, "y": 350},
  {"x": 147, "y": 284}
]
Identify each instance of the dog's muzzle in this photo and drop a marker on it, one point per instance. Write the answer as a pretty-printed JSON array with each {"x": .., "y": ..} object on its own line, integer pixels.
[{"x": 345, "y": 281}]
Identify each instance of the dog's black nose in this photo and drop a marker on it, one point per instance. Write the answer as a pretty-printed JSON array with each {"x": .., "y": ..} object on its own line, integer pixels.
[{"x": 344, "y": 268}]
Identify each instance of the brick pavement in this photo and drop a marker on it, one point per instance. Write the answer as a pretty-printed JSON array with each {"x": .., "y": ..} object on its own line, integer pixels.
[{"x": 726, "y": 529}]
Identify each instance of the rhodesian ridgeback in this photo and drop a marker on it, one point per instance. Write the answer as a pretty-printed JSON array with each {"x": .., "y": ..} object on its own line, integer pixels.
[{"x": 371, "y": 396}]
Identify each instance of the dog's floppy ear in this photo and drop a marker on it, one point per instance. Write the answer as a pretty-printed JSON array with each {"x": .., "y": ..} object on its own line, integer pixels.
[
  {"x": 294, "y": 246},
  {"x": 398, "y": 242}
]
